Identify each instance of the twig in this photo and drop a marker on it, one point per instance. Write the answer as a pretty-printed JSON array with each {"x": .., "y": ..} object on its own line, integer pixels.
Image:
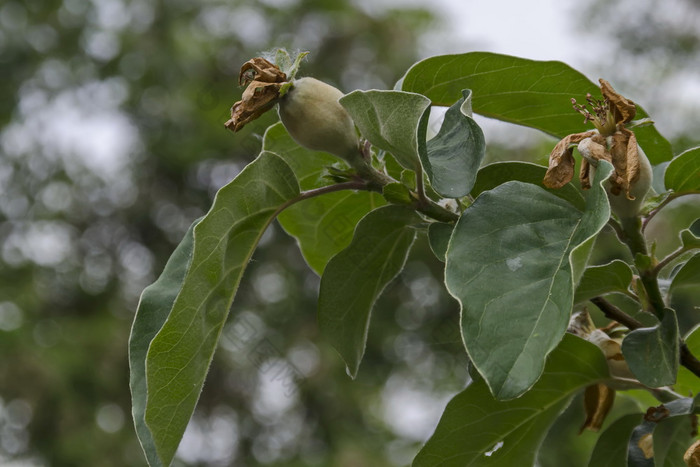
[
  {"x": 616, "y": 314},
  {"x": 664, "y": 262}
]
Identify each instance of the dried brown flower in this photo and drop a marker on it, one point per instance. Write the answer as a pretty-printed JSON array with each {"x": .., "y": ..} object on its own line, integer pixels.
[
  {"x": 610, "y": 141},
  {"x": 264, "y": 80}
]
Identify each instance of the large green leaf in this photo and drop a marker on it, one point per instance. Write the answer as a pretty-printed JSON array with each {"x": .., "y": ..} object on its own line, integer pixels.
[
  {"x": 611, "y": 448},
  {"x": 478, "y": 430},
  {"x": 453, "y": 156},
  {"x": 322, "y": 225},
  {"x": 154, "y": 307},
  {"x": 639, "y": 450},
  {"x": 495, "y": 174},
  {"x": 355, "y": 277},
  {"x": 509, "y": 263},
  {"x": 615, "y": 276},
  {"x": 683, "y": 172},
  {"x": 224, "y": 240},
  {"x": 652, "y": 353},
  {"x": 526, "y": 92},
  {"x": 391, "y": 120}
]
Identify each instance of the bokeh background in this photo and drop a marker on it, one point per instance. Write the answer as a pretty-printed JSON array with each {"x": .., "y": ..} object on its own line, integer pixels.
[{"x": 112, "y": 143}]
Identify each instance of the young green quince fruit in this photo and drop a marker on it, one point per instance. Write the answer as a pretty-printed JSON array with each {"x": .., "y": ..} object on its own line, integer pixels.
[{"x": 315, "y": 119}]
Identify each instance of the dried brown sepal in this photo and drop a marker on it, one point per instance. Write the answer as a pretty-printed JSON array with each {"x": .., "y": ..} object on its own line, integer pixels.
[
  {"x": 257, "y": 99},
  {"x": 598, "y": 399},
  {"x": 692, "y": 455},
  {"x": 259, "y": 69},
  {"x": 264, "y": 80},
  {"x": 561, "y": 161},
  {"x": 622, "y": 108},
  {"x": 625, "y": 159}
]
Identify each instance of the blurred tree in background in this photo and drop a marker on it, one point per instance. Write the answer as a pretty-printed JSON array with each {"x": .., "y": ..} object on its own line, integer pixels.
[{"x": 112, "y": 143}]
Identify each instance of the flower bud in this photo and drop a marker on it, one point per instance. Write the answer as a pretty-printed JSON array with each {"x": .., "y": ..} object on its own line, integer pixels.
[{"x": 315, "y": 119}]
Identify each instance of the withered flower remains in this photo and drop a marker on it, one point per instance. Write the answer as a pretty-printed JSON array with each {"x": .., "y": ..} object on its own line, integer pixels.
[
  {"x": 611, "y": 141},
  {"x": 264, "y": 81}
]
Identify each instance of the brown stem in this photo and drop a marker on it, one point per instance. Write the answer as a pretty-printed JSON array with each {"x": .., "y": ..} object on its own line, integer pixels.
[
  {"x": 615, "y": 314},
  {"x": 687, "y": 359}
]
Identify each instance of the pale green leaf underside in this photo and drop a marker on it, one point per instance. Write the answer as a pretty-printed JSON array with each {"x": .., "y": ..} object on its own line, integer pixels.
[
  {"x": 615, "y": 276},
  {"x": 474, "y": 423},
  {"x": 517, "y": 90},
  {"x": 683, "y": 172},
  {"x": 224, "y": 240},
  {"x": 394, "y": 121},
  {"x": 509, "y": 265},
  {"x": 453, "y": 156},
  {"x": 652, "y": 353},
  {"x": 355, "y": 277}
]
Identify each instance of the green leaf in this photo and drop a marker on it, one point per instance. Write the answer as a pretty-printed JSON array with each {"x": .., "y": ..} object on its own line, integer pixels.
[
  {"x": 154, "y": 306},
  {"x": 652, "y": 353},
  {"x": 611, "y": 448},
  {"x": 355, "y": 277},
  {"x": 478, "y": 430},
  {"x": 526, "y": 92},
  {"x": 308, "y": 166},
  {"x": 687, "y": 383},
  {"x": 453, "y": 156},
  {"x": 495, "y": 174},
  {"x": 323, "y": 225},
  {"x": 683, "y": 173},
  {"x": 688, "y": 274},
  {"x": 224, "y": 240},
  {"x": 439, "y": 237},
  {"x": 638, "y": 448},
  {"x": 509, "y": 265},
  {"x": 391, "y": 120},
  {"x": 397, "y": 193},
  {"x": 689, "y": 240},
  {"x": 615, "y": 276}
]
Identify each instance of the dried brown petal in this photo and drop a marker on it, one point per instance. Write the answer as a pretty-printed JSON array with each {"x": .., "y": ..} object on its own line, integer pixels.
[
  {"x": 625, "y": 159},
  {"x": 623, "y": 109},
  {"x": 259, "y": 69},
  {"x": 597, "y": 401},
  {"x": 692, "y": 455},
  {"x": 257, "y": 99},
  {"x": 561, "y": 161}
]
